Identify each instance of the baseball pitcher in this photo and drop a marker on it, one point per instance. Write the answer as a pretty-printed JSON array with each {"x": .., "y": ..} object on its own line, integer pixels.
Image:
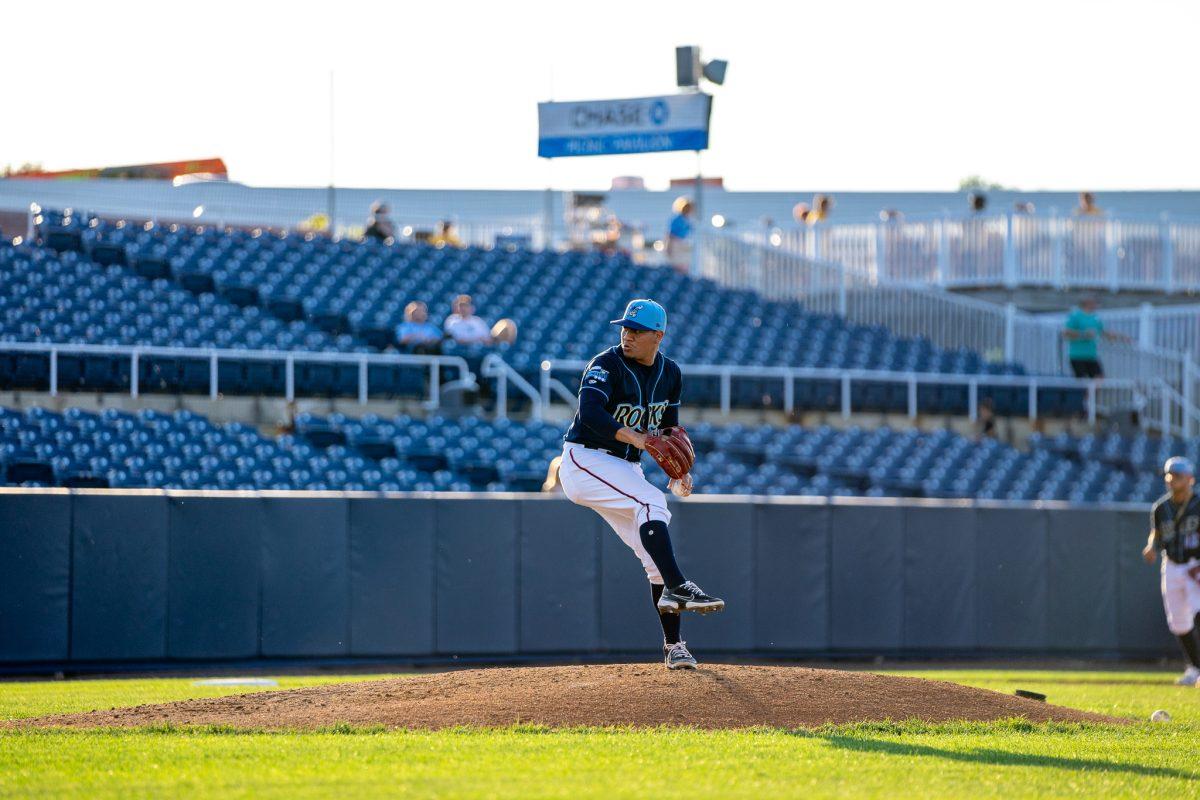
[{"x": 629, "y": 402}]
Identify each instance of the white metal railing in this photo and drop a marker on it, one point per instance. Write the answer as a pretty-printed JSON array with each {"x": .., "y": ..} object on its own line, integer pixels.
[
  {"x": 1161, "y": 332},
  {"x": 1010, "y": 250},
  {"x": 1157, "y": 404},
  {"x": 289, "y": 359},
  {"x": 494, "y": 366},
  {"x": 946, "y": 320},
  {"x": 998, "y": 332},
  {"x": 1174, "y": 328}
]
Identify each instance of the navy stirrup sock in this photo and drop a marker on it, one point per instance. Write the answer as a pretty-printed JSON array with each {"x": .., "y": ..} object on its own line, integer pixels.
[
  {"x": 1187, "y": 642},
  {"x": 669, "y": 622},
  {"x": 657, "y": 542}
]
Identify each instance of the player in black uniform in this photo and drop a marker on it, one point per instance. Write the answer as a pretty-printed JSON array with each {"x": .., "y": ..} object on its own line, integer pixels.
[
  {"x": 627, "y": 392},
  {"x": 1175, "y": 529}
]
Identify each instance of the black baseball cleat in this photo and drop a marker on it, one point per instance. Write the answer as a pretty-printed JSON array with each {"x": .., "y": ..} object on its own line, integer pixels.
[
  {"x": 687, "y": 596},
  {"x": 676, "y": 656}
]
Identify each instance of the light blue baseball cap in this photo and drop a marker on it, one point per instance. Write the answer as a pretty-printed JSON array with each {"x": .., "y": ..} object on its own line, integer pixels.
[
  {"x": 1178, "y": 465},
  {"x": 643, "y": 315}
]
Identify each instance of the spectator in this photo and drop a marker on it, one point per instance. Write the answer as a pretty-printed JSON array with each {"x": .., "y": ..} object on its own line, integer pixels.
[
  {"x": 379, "y": 224},
  {"x": 800, "y": 212},
  {"x": 1087, "y": 206},
  {"x": 444, "y": 235},
  {"x": 679, "y": 233},
  {"x": 417, "y": 334},
  {"x": 976, "y": 202},
  {"x": 1083, "y": 331},
  {"x": 609, "y": 242},
  {"x": 1023, "y": 208},
  {"x": 822, "y": 208},
  {"x": 288, "y": 426},
  {"x": 986, "y": 419},
  {"x": 463, "y": 326}
]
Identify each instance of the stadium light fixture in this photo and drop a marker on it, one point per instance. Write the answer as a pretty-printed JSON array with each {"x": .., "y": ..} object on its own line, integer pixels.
[
  {"x": 715, "y": 71},
  {"x": 689, "y": 69}
]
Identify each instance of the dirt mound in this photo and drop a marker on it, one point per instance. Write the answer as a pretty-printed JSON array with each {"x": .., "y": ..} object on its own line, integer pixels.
[{"x": 715, "y": 696}]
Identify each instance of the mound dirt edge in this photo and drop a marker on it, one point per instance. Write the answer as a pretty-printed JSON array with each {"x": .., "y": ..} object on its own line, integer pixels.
[{"x": 639, "y": 695}]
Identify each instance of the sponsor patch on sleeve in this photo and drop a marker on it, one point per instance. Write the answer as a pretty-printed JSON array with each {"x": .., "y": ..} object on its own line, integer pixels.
[{"x": 596, "y": 375}]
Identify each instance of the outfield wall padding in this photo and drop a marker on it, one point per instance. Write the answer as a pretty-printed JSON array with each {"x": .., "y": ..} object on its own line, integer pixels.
[
  {"x": 142, "y": 577},
  {"x": 119, "y": 577}
]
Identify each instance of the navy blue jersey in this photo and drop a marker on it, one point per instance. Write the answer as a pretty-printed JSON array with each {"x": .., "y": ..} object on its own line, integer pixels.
[
  {"x": 617, "y": 392},
  {"x": 1178, "y": 528}
]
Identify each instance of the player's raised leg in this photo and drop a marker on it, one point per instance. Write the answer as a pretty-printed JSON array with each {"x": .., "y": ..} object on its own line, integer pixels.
[
  {"x": 675, "y": 652},
  {"x": 605, "y": 484},
  {"x": 680, "y": 594}
]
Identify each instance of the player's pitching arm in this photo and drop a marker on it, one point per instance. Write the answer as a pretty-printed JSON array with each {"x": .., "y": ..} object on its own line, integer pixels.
[{"x": 630, "y": 436}]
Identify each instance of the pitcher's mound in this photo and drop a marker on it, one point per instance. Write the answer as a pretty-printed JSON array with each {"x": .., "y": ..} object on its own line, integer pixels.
[{"x": 714, "y": 696}]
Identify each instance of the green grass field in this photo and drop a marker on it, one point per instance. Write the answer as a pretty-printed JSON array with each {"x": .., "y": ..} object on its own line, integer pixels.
[{"x": 1010, "y": 759}]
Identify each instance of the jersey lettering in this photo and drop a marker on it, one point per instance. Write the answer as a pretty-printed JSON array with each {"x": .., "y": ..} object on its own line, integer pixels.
[
  {"x": 631, "y": 415},
  {"x": 628, "y": 415},
  {"x": 656, "y": 414}
]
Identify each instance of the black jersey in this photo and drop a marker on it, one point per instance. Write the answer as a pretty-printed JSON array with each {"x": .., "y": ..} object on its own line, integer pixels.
[
  {"x": 1178, "y": 528},
  {"x": 618, "y": 392}
]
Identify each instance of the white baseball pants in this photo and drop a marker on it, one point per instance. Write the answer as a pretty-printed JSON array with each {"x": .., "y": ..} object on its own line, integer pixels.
[
  {"x": 1181, "y": 594},
  {"x": 617, "y": 490}
]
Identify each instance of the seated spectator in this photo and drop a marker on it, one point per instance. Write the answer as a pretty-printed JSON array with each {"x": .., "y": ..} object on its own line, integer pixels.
[
  {"x": 1024, "y": 208},
  {"x": 463, "y": 326},
  {"x": 800, "y": 212},
  {"x": 976, "y": 202},
  {"x": 379, "y": 224},
  {"x": 985, "y": 422},
  {"x": 1087, "y": 206},
  {"x": 822, "y": 208},
  {"x": 417, "y": 334},
  {"x": 444, "y": 235}
]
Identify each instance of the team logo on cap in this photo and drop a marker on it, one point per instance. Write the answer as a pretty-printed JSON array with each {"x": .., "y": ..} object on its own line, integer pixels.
[{"x": 632, "y": 312}]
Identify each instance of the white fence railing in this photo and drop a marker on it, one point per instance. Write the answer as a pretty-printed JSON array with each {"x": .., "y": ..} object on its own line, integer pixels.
[
  {"x": 1158, "y": 406},
  {"x": 1172, "y": 330},
  {"x": 1011, "y": 250},
  {"x": 945, "y": 319},
  {"x": 287, "y": 358}
]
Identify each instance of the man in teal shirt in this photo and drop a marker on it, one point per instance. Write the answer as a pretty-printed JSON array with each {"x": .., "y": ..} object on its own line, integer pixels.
[{"x": 1083, "y": 330}]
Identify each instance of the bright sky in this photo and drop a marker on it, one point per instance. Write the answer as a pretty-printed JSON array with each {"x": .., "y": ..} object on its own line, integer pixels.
[{"x": 840, "y": 95}]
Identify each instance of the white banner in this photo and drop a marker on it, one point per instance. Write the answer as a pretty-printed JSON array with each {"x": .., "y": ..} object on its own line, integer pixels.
[{"x": 620, "y": 127}]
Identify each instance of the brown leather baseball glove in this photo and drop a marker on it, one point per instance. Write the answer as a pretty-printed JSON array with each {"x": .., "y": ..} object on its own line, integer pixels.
[{"x": 673, "y": 451}]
